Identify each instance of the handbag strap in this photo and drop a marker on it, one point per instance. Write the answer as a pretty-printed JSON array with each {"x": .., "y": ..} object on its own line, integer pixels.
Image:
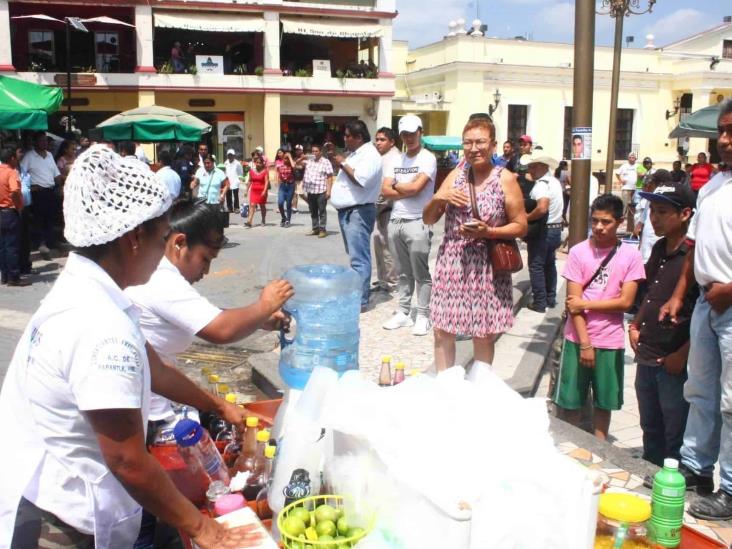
[
  {"x": 473, "y": 201},
  {"x": 604, "y": 264}
]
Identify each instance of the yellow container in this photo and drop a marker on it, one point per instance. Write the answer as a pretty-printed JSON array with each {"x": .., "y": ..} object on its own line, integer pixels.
[
  {"x": 308, "y": 537},
  {"x": 621, "y": 522}
]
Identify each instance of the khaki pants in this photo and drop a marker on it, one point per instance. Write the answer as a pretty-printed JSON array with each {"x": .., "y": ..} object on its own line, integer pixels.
[
  {"x": 385, "y": 270},
  {"x": 628, "y": 208}
]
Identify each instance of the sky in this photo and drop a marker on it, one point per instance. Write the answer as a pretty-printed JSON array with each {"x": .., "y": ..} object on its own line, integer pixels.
[{"x": 426, "y": 21}]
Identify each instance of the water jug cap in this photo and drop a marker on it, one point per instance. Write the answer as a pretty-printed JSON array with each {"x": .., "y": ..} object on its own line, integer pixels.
[
  {"x": 187, "y": 432},
  {"x": 386, "y": 358},
  {"x": 269, "y": 451},
  {"x": 252, "y": 421},
  {"x": 213, "y": 378},
  {"x": 671, "y": 463},
  {"x": 230, "y": 398},
  {"x": 263, "y": 436}
]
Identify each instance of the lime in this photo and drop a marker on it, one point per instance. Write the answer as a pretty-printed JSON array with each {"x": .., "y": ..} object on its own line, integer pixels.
[
  {"x": 339, "y": 512},
  {"x": 326, "y": 512},
  {"x": 356, "y": 532},
  {"x": 342, "y": 525},
  {"x": 293, "y": 526},
  {"x": 325, "y": 537},
  {"x": 325, "y": 528},
  {"x": 301, "y": 513},
  {"x": 311, "y": 534}
]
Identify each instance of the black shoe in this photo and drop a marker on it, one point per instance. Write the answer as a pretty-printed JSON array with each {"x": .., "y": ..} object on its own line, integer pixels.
[
  {"x": 536, "y": 308},
  {"x": 30, "y": 271},
  {"x": 551, "y": 305},
  {"x": 19, "y": 282},
  {"x": 282, "y": 223},
  {"x": 287, "y": 224},
  {"x": 717, "y": 506},
  {"x": 703, "y": 485}
]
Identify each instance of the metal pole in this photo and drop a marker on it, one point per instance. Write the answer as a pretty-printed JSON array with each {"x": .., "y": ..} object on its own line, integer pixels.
[
  {"x": 68, "y": 78},
  {"x": 584, "y": 72},
  {"x": 617, "y": 52}
]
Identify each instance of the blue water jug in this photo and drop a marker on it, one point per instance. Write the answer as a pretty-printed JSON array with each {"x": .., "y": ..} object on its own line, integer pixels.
[{"x": 325, "y": 308}]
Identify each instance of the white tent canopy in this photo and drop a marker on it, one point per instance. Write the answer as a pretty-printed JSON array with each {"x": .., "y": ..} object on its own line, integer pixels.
[
  {"x": 217, "y": 22},
  {"x": 337, "y": 28}
]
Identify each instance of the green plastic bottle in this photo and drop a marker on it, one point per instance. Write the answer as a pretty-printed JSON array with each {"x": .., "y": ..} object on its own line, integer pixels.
[{"x": 667, "y": 505}]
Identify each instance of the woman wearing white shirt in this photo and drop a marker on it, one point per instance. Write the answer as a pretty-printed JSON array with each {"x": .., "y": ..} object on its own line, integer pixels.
[
  {"x": 173, "y": 312},
  {"x": 77, "y": 390}
]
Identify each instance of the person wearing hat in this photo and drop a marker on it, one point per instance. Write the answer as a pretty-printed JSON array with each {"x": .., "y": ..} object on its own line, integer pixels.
[
  {"x": 410, "y": 183},
  {"x": 708, "y": 434},
  {"x": 78, "y": 387},
  {"x": 661, "y": 350},
  {"x": 234, "y": 174},
  {"x": 547, "y": 193}
]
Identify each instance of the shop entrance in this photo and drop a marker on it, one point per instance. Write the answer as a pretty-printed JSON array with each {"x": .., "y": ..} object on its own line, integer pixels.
[{"x": 306, "y": 130}]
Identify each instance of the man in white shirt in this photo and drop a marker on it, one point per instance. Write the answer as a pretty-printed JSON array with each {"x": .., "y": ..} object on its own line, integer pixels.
[
  {"x": 168, "y": 175},
  {"x": 140, "y": 153},
  {"x": 411, "y": 184},
  {"x": 385, "y": 143},
  {"x": 547, "y": 192},
  {"x": 234, "y": 172},
  {"x": 38, "y": 163},
  {"x": 708, "y": 389},
  {"x": 627, "y": 176},
  {"x": 354, "y": 194}
]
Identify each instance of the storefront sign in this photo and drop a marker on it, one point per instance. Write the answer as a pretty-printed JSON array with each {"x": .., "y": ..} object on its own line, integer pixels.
[
  {"x": 321, "y": 68},
  {"x": 324, "y": 107},
  {"x": 76, "y": 80},
  {"x": 581, "y": 144},
  {"x": 210, "y": 64}
]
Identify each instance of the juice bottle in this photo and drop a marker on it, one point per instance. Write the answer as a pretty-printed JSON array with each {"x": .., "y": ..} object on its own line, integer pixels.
[
  {"x": 385, "y": 373},
  {"x": 667, "y": 505},
  {"x": 205, "y": 372},
  {"x": 398, "y": 373},
  {"x": 245, "y": 461},
  {"x": 257, "y": 480},
  {"x": 213, "y": 381},
  {"x": 262, "y": 504}
]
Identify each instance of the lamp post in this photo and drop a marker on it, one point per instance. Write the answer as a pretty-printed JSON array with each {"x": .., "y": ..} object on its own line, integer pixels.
[
  {"x": 618, "y": 9},
  {"x": 78, "y": 25}
]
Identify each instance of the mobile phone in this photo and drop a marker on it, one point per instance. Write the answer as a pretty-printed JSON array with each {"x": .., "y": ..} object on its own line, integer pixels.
[{"x": 471, "y": 224}]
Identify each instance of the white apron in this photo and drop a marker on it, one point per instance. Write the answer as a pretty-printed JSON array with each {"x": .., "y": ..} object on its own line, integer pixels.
[{"x": 116, "y": 515}]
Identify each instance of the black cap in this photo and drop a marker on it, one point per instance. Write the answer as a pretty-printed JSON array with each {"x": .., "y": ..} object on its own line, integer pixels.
[
  {"x": 647, "y": 159},
  {"x": 676, "y": 194}
]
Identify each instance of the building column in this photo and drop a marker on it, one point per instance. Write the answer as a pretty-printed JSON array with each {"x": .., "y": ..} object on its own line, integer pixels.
[
  {"x": 383, "y": 112},
  {"x": 385, "y": 47},
  {"x": 272, "y": 43},
  {"x": 271, "y": 123},
  {"x": 144, "y": 35},
  {"x": 6, "y": 51},
  {"x": 699, "y": 100}
]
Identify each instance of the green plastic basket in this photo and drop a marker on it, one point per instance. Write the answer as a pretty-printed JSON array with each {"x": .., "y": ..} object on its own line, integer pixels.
[{"x": 311, "y": 503}]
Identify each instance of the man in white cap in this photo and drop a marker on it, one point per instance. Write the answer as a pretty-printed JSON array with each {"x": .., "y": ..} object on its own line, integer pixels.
[
  {"x": 410, "y": 183},
  {"x": 547, "y": 192},
  {"x": 234, "y": 172}
]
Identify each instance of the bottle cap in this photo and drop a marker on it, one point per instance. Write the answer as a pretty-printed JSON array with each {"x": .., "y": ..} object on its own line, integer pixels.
[
  {"x": 206, "y": 370},
  {"x": 269, "y": 451},
  {"x": 187, "y": 432},
  {"x": 252, "y": 421},
  {"x": 670, "y": 463},
  {"x": 228, "y": 504},
  {"x": 230, "y": 398},
  {"x": 213, "y": 378},
  {"x": 399, "y": 365},
  {"x": 386, "y": 358},
  {"x": 223, "y": 388},
  {"x": 624, "y": 507},
  {"x": 263, "y": 436},
  {"x": 414, "y": 372}
]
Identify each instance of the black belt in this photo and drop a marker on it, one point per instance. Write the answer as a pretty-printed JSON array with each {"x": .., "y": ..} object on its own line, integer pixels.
[
  {"x": 349, "y": 208},
  {"x": 553, "y": 225}
]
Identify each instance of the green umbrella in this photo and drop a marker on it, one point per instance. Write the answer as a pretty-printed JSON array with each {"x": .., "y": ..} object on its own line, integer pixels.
[
  {"x": 25, "y": 105},
  {"x": 442, "y": 142},
  {"x": 701, "y": 123},
  {"x": 153, "y": 124}
]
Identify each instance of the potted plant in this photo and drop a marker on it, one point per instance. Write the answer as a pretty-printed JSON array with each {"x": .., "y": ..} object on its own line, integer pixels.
[
  {"x": 303, "y": 73},
  {"x": 166, "y": 68},
  {"x": 259, "y": 71},
  {"x": 193, "y": 70}
]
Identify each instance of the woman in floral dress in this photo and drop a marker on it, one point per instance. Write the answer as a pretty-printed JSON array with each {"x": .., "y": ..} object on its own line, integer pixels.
[{"x": 467, "y": 296}]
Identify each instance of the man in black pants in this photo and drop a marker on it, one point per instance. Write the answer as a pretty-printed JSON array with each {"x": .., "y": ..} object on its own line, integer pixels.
[
  {"x": 317, "y": 183},
  {"x": 11, "y": 203}
]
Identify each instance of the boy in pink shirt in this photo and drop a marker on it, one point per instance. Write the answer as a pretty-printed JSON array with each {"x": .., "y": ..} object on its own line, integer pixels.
[{"x": 602, "y": 279}]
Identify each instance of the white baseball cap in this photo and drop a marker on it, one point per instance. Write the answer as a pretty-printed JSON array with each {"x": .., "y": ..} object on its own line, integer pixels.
[
  {"x": 260, "y": 149},
  {"x": 409, "y": 123},
  {"x": 231, "y": 151},
  {"x": 106, "y": 195}
]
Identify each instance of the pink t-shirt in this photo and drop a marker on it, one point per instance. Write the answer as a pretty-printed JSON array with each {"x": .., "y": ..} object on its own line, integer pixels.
[{"x": 605, "y": 329}]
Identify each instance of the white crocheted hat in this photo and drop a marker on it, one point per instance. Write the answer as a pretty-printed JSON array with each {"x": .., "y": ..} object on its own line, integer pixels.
[{"x": 106, "y": 195}]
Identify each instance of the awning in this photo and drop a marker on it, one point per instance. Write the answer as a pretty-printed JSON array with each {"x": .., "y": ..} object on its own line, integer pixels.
[
  {"x": 103, "y": 19},
  {"x": 442, "y": 142},
  {"x": 337, "y": 28},
  {"x": 701, "y": 123},
  {"x": 25, "y": 105},
  {"x": 217, "y": 22}
]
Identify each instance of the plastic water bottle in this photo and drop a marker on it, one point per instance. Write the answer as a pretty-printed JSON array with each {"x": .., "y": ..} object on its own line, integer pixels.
[
  {"x": 667, "y": 505},
  {"x": 326, "y": 308},
  {"x": 199, "y": 451}
]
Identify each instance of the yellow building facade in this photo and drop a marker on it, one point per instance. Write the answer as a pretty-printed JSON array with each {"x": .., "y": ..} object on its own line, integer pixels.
[{"x": 530, "y": 86}]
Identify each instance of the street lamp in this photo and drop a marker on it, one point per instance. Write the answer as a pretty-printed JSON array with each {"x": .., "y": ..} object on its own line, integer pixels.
[
  {"x": 677, "y": 105},
  {"x": 76, "y": 23},
  {"x": 496, "y": 100},
  {"x": 618, "y": 9}
]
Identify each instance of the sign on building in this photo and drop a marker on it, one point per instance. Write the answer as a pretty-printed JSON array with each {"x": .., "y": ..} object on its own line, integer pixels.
[
  {"x": 210, "y": 64},
  {"x": 321, "y": 68}
]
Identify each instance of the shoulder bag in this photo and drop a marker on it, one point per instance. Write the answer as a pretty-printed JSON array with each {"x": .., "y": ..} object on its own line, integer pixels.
[
  {"x": 604, "y": 264},
  {"x": 504, "y": 253}
]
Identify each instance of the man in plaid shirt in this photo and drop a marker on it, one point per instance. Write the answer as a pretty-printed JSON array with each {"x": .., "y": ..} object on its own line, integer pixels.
[{"x": 317, "y": 182}]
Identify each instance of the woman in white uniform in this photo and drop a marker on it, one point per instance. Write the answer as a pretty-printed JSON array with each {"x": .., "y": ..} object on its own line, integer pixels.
[{"x": 75, "y": 469}]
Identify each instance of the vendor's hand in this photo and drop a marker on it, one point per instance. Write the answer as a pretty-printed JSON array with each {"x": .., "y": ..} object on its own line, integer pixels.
[
  {"x": 674, "y": 363},
  {"x": 275, "y": 294},
  {"x": 217, "y": 536},
  {"x": 278, "y": 320},
  {"x": 587, "y": 357},
  {"x": 719, "y": 296},
  {"x": 634, "y": 336},
  {"x": 576, "y": 305},
  {"x": 451, "y": 195},
  {"x": 481, "y": 230},
  {"x": 236, "y": 415},
  {"x": 671, "y": 309}
]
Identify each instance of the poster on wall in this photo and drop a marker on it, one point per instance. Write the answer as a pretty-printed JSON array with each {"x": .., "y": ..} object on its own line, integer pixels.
[
  {"x": 210, "y": 64},
  {"x": 321, "y": 68},
  {"x": 581, "y": 143}
]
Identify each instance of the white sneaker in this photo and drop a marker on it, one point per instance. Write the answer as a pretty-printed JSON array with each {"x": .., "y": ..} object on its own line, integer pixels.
[
  {"x": 398, "y": 320},
  {"x": 422, "y": 326}
]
